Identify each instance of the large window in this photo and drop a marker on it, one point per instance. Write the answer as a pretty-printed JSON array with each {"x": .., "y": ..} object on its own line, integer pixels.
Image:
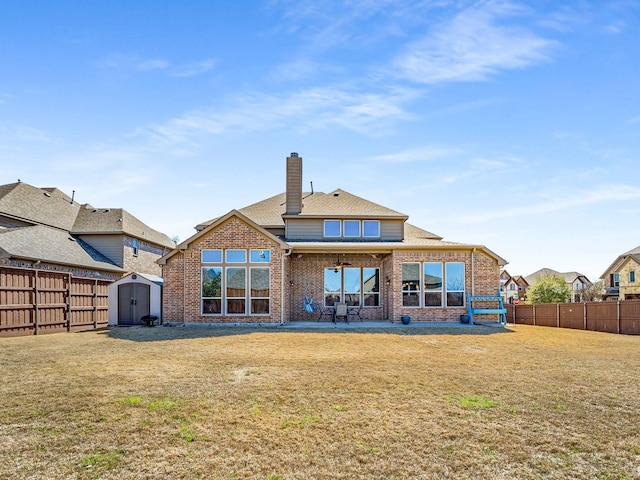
[
  {"x": 212, "y": 290},
  {"x": 232, "y": 287},
  {"x": 370, "y": 228},
  {"x": 432, "y": 281},
  {"x": 371, "y": 287},
  {"x": 259, "y": 292},
  {"x": 351, "y": 228},
  {"x": 440, "y": 285},
  {"x": 455, "y": 284},
  {"x": 352, "y": 285},
  {"x": 411, "y": 284},
  {"x": 236, "y": 290}
]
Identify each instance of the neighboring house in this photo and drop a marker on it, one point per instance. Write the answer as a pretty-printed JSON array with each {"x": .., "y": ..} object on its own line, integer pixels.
[
  {"x": 45, "y": 229},
  {"x": 577, "y": 282},
  {"x": 621, "y": 280},
  {"x": 260, "y": 263},
  {"x": 513, "y": 288}
]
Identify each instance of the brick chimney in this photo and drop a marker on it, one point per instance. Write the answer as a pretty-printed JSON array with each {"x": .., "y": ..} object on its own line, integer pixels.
[{"x": 294, "y": 185}]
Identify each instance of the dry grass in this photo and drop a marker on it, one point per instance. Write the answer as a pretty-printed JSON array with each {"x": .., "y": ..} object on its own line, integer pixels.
[{"x": 269, "y": 404}]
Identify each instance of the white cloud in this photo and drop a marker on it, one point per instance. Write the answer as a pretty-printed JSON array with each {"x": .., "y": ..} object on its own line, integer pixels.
[
  {"x": 425, "y": 154},
  {"x": 194, "y": 69},
  {"x": 472, "y": 46}
]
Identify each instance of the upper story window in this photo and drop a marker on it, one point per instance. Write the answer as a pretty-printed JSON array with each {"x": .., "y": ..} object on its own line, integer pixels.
[
  {"x": 616, "y": 280},
  {"x": 260, "y": 256},
  {"x": 332, "y": 228},
  {"x": 134, "y": 244},
  {"x": 211, "y": 256},
  {"x": 632, "y": 276},
  {"x": 371, "y": 228},
  {"x": 236, "y": 256},
  {"x": 352, "y": 228}
]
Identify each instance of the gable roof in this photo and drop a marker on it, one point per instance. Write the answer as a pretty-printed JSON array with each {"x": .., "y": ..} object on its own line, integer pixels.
[
  {"x": 215, "y": 223},
  {"x": 52, "y": 245},
  {"x": 269, "y": 213},
  {"x": 103, "y": 221},
  {"x": 568, "y": 277},
  {"x": 634, "y": 253}
]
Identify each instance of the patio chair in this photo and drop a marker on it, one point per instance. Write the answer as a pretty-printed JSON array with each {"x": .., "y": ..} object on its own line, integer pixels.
[
  {"x": 341, "y": 311},
  {"x": 323, "y": 311}
]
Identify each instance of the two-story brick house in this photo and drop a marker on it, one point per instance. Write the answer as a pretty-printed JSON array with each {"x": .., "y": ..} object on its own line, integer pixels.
[
  {"x": 622, "y": 278},
  {"x": 260, "y": 263}
]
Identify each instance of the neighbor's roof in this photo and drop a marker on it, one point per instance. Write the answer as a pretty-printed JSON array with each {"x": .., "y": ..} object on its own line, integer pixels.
[
  {"x": 568, "y": 277},
  {"x": 53, "y": 208},
  {"x": 336, "y": 204},
  {"x": 633, "y": 253},
  {"x": 46, "y": 206},
  {"x": 104, "y": 221},
  {"x": 52, "y": 245}
]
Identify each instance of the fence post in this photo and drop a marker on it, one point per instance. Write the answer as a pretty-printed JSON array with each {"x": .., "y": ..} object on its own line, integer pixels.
[
  {"x": 68, "y": 302},
  {"x": 557, "y": 315},
  {"x": 618, "y": 309},
  {"x": 534, "y": 315},
  {"x": 36, "y": 311},
  {"x": 95, "y": 304},
  {"x": 584, "y": 316}
]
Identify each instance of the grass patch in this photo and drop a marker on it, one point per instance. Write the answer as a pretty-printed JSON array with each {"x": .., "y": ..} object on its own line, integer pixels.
[{"x": 253, "y": 403}]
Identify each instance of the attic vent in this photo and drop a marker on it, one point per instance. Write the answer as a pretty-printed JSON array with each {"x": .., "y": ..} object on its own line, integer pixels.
[
  {"x": 47, "y": 194},
  {"x": 106, "y": 210},
  {"x": 336, "y": 194},
  {"x": 72, "y": 239},
  {"x": 95, "y": 210}
]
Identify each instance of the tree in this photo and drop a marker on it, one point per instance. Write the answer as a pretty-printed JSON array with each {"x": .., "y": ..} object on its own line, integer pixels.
[
  {"x": 549, "y": 290},
  {"x": 594, "y": 292}
]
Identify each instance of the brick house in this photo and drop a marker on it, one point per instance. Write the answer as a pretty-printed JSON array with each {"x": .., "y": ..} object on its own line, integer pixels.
[
  {"x": 622, "y": 278},
  {"x": 260, "y": 263}
]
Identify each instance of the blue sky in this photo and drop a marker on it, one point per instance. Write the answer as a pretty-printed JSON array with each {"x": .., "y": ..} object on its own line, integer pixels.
[{"x": 515, "y": 125}]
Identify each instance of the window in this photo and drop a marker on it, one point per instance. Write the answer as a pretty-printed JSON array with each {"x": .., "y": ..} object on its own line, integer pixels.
[
  {"x": 436, "y": 289},
  {"x": 632, "y": 276},
  {"x": 455, "y": 284},
  {"x": 371, "y": 287},
  {"x": 432, "y": 282},
  {"x": 211, "y": 256},
  {"x": 236, "y": 256},
  {"x": 352, "y": 285},
  {"x": 370, "y": 228},
  {"x": 351, "y": 279},
  {"x": 260, "y": 256},
  {"x": 212, "y": 290},
  {"x": 259, "y": 291},
  {"x": 410, "y": 284},
  {"x": 512, "y": 286},
  {"x": 332, "y": 228},
  {"x": 332, "y": 286},
  {"x": 134, "y": 244},
  {"x": 232, "y": 289},
  {"x": 236, "y": 291},
  {"x": 351, "y": 228},
  {"x": 616, "y": 280}
]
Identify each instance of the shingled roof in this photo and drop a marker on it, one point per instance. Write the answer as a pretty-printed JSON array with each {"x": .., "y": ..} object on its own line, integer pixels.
[
  {"x": 336, "y": 204},
  {"x": 52, "y": 245},
  {"x": 45, "y": 206},
  {"x": 106, "y": 221}
]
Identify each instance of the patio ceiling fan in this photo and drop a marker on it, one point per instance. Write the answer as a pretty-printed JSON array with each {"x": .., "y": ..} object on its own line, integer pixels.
[{"x": 340, "y": 264}]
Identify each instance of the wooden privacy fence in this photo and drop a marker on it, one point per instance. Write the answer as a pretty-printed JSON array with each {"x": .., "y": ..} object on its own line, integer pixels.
[
  {"x": 33, "y": 302},
  {"x": 612, "y": 317}
]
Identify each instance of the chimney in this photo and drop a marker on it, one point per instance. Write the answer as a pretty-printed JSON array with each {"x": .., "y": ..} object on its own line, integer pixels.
[{"x": 294, "y": 184}]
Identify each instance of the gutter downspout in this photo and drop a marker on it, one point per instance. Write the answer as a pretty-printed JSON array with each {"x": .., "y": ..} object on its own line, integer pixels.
[
  {"x": 184, "y": 285},
  {"x": 286, "y": 254}
]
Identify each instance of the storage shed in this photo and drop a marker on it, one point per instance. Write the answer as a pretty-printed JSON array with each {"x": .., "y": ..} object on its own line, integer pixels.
[{"x": 134, "y": 296}]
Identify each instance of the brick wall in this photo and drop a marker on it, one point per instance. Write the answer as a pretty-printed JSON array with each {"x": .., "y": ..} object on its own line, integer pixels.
[
  {"x": 145, "y": 261},
  {"x": 182, "y": 275}
]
